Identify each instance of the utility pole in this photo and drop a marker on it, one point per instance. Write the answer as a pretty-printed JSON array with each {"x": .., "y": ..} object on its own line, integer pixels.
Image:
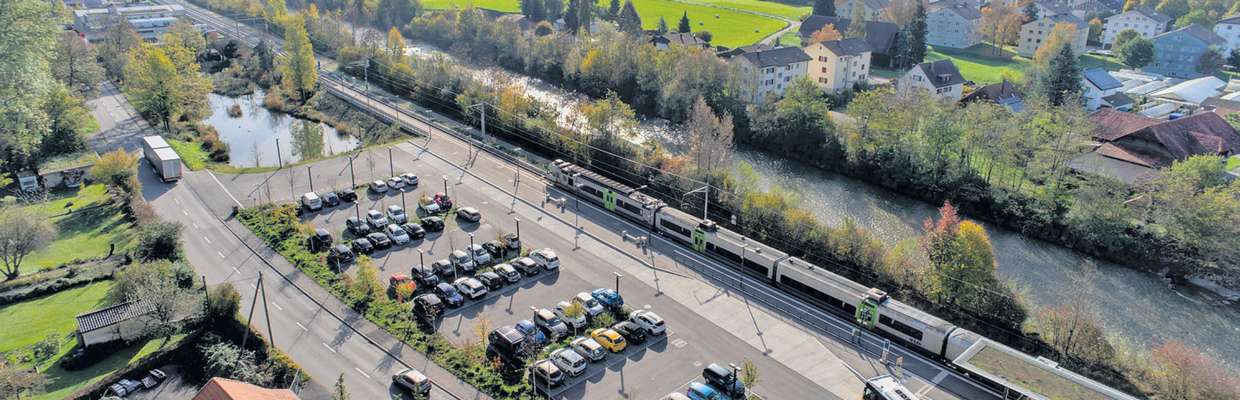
[
  {"x": 250, "y": 317},
  {"x": 310, "y": 177},
  {"x": 618, "y": 276},
  {"x": 391, "y": 166},
  {"x": 705, "y": 199},
  {"x": 271, "y": 337}
]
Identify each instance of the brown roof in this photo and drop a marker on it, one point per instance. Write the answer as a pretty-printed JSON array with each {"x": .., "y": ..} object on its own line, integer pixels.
[
  {"x": 228, "y": 389},
  {"x": 1159, "y": 143},
  {"x": 1200, "y": 133},
  {"x": 1113, "y": 124}
]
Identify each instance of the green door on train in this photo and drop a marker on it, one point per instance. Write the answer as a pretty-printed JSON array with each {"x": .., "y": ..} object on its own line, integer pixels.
[
  {"x": 609, "y": 199},
  {"x": 867, "y": 313},
  {"x": 699, "y": 240}
]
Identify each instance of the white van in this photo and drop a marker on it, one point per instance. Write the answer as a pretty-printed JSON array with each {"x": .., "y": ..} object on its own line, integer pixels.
[{"x": 311, "y": 201}]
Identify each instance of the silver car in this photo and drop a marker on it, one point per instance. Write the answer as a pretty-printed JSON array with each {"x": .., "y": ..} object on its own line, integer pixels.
[
  {"x": 569, "y": 361},
  {"x": 462, "y": 261},
  {"x": 588, "y": 348},
  {"x": 378, "y": 187},
  {"x": 397, "y": 214},
  {"x": 470, "y": 287},
  {"x": 397, "y": 234},
  {"x": 481, "y": 255},
  {"x": 593, "y": 308}
]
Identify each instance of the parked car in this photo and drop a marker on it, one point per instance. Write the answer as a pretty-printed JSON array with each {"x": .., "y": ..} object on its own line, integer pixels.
[
  {"x": 363, "y": 246},
  {"x": 526, "y": 265},
  {"x": 398, "y": 278},
  {"x": 320, "y": 240},
  {"x": 348, "y": 195},
  {"x": 592, "y": 306},
  {"x": 481, "y": 255},
  {"x": 535, "y": 336},
  {"x": 701, "y": 391},
  {"x": 648, "y": 320},
  {"x": 588, "y": 348},
  {"x": 397, "y": 215},
  {"x": 469, "y": 214},
  {"x": 413, "y": 380},
  {"x": 356, "y": 226},
  {"x": 443, "y": 201},
  {"x": 549, "y": 322},
  {"x": 424, "y": 275},
  {"x": 724, "y": 379},
  {"x": 311, "y": 201},
  {"x": 428, "y": 207},
  {"x": 546, "y": 258},
  {"x": 675, "y": 396},
  {"x": 381, "y": 240},
  {"x": 330, "y": 199},
  {"x": 495, "y": 249},
  {"x": 568, "y": 361},
  {"x": 508, "y": 273},
  {"x": 449, "y": 295},
  {"x": 432, "y": 224},
  {"x": 471, "y": 288},
  {"x": 512, "y": 241},
  {"x": 491, "y": 280},
  {"x": 415, "y": 231},
  {"x": 546, "y": 375},
  {"x": 378, "y": 187},
  {"x": 410, "y": 179},
  {"x": 508, "y": 344},
  {"x": 608, "y": 298},
  {"x": 631, "y": 331},
  {"x": 462, "y": 261},
  {"x": 428, "y": 306},
  {"x": 577, "y": 323},
  {"x": 396, "y": 183},
  {"x": 397, "y": 234},
  {"x": 376, "y": 219},
  {"x": 443, "y": 267},
  {"x": 609, "y": 339},
  {"x": 340, "y": 254}
]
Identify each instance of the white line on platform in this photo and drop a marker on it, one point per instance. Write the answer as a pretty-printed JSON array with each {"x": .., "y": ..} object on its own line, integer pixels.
[
  {"x": 277, "y": 306},
  {"x": 329, "y": 347},
  {"x": 303, "y": 327},
  {"x": 207, "y": 239}
]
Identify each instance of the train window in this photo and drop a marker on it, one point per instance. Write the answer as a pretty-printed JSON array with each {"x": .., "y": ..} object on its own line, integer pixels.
[
  {"x": 900, "y": 327},
  {"x": 755, "y": 267},
  {"x": 592, "y": 191},
  {"x": 629, "y": 207},
  {"x": 806, "y": 290},
  {"x": 850, "y": 309},
  {"x": 733, "y": 257},
  {"x": 671, "y": 226}
]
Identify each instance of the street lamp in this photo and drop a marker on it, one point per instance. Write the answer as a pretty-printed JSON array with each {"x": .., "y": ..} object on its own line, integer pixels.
[
  {"x": 618, "y": 276},
  {"x": 518, "y": 221},
  {"x": 472, "y": 256},
  {"x": 445, "y": 185},
  {"x": 421, "y": 259},
  {"x": 735, "y": 376}
]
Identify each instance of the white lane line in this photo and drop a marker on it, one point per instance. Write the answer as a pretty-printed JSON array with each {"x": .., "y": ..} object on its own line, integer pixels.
[
  {"x": 217, "y": 182},
  {"x": 176, "y": 200},
  {"x": 185, "y": 212},
  {"x": 195, "y": 225},
  {"x": 221, "y": 254},
  {"x": 303, "y": 327},
  {"x": 236, "y": 270},
  {"x": 359, "y": 370},
  {"x": 207, "y": 239},
  {"x": 277, "y": 306},
  {"x": 329, "y": 347}
]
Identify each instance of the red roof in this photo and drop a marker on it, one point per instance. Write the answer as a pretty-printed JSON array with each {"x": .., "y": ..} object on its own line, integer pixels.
[
  {"x": 1113, "y": 124},
  {"x": 1155, "y": 143},
  {"x": 228, "y": 389}
]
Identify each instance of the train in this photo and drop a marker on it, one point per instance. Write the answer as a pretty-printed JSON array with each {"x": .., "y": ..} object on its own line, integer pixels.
[{"x": 867, "y": 307}]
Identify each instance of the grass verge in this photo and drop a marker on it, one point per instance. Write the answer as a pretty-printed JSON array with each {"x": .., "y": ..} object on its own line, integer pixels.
[
  {"x": 87, "y": 225},
  {"x": 31, "y": 321}
]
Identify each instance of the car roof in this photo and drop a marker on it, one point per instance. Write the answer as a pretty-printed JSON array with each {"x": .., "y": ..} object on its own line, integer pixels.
[
  {"x": 702, "y": 388},
  {"x": 545, "y": 313},
  {"x": 394, "y": 207},
  {"x": 568, "y": 353},
  {"x": 718, "y": 369},
  {"x": 459, "y": 253},
  {"x": 443, "y": 286},
  {"x": 414, "y": 375}
]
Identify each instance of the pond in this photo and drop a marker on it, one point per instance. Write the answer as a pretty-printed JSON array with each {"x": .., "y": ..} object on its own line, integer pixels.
[{"x": 260, "y": 137}]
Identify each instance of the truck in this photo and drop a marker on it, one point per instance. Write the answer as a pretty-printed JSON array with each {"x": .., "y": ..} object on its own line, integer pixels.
[{"x": 161, "y": 156}]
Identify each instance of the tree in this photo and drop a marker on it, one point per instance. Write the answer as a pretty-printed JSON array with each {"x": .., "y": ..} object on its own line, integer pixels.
[
  {"x": 114, "y": 169},
  {"x": 962, "y": 266},
  {"x": 1197, "y": 17},
  {"x": 68, "y": 120},
  {"x": 827, "y": 33},
  {"x": 1136, "y": 53},
  {"x": 856, "y": 28},
  {"x": 663, "y": 25},
  {"x": 165, "y": 83},
  {"x": 1062, "y": 79},
  {"x": 585, "y": 15},
  {"x": 1233, "y": 58},
  {"x": 1124, "y": 36},
  {"x": 298, "y": 67},
  {"x": 26, "y": 38},
  {"x": 119, "y": 38},
  {"x": 226, "y": 360},
  {"x": 613, "y": 10},
  {"x": 824, "y": 7},
  {"x": 340, "y": 393},
  {"x": 1030, "y": 11},
  {"x": 1095, "y": 30},
  {"x": 917, "y": 36},
  {"x": 17, "y": 382},
  {"x": 366, "y": 288},
  {"x": 554, "y": 9},
  {"x": 187, "y": 35},
  {"x": 749, "y": 373},
  {"x": 571, "y": 14},
  {"x": 21, "y": 233},
  {"x": 395, "y": 43},
  {"x": 683, "y": 26},
  {"x": 628, "y": 19},
  {"x": 1210, "y": 62},
  {"x": 397, "y": 13},
  {"x": 75, "y": 64},
  {"x": 1131, "y": 4},
  {"x": 45, "y": 349},
  {"x": 223, "y": 303},
  {"x": 1173, "y": 8},
  {"x": 535, "y": 10},
  {"x": 161, "y": 290},
  {"x": 159, "y": 241},
  {"x": 710, "y": 138},
  {"x": 1062, "y": 35},
  {"x": 1072, "y": 330},
  {"x": 1182, "y": 372}
]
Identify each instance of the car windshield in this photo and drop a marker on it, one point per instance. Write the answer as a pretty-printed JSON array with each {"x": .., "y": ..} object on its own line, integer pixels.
[{"x": 589, "y": 301}]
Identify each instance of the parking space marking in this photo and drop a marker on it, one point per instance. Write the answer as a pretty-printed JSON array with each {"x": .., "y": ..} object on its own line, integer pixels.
[
  {"x": 221, "y": 254},
  {"x": 185, "y": 212},
  {"x": 359, "y": 370},
  {"x": 207, "y": 239},
  {"x": 329, "y": 347},
  {"x": 195, "y": 224},
  {"x": 236, "y": 270},
  {"x": 277, "y": 306},
  {"x": 303, "y": 327},
  {"x": 679, "y": 343}
]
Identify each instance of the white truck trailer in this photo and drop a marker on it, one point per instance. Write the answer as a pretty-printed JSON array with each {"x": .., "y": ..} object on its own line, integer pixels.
[{"x": 161, "y": 156}]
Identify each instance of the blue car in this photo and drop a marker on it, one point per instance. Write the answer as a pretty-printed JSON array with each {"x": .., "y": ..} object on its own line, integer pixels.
[
  {"x": 702, "y": 391},
  {"x": 531, "y": 332},
  {"x": 449, "y": 295},
  {"x": 608, "y": 298}
]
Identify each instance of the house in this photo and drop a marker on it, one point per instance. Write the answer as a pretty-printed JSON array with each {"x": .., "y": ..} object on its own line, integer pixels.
[
  {"x": 768, "y": 72},
  {"x": 940, "y": 78},
  {"x": 954, "y": 24},
  {"x": 1033, "y": 33},
  {"x": 150, "y": 22},
  {"x": 839, "y": 64},
  {"x": 873, "y": 9},
  {"x": 1176, "y": 52},
  {"x": 1191, "y": 92},
  {"x": 67, "y": 170},
  {"x": 1144, "y": 20},
  {"x": 106, "y": 324},
  {"x": 881, "y": 36},
  {"x": 1228, "y": 29},
  {"x": 1221, "y": 105},
  {"x": 1049, "y": 8},
  {"x": 726, "y": 53},
  {"x": 1131, "y": 148},
  {"x": 662, "y": 41},
  {"x": 1119, "y": 101},
  {"x": 1003, "y": 93},
  {"x": 1097, "y": 83},
  {"x": 227, "y": 389}
]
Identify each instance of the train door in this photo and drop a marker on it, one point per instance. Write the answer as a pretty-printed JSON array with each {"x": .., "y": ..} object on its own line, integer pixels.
[
  {"x": 699, "y": 240},
  {"x": 867, "y": 313},
  {"x": 609, "y": 199}
]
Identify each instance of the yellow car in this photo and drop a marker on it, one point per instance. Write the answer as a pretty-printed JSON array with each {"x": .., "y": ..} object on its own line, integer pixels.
[{"x": 611, "y": 340}]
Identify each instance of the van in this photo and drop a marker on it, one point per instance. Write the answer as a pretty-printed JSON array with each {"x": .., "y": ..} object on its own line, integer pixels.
[
  {"x": 311, "y": 201},
  {"x": 507, "y": 344},
  {"x": 723, "y": 378}
]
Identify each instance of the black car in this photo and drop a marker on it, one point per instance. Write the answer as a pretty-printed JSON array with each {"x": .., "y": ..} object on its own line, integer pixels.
[
  {"x": 443, "y": 267},
  {"x": 339, "y": 254},
  {"x": 449, "y": 295},
  {"x": 321, "y": 240},
  {"x": 348, "y": 195},
  {"x": 432, "y": 224},
  {"x": 425, "y": 275},
  {"x": 495, "y": 248},
  {"x": 491, "y": 280},
  {"x": 363, "y": 246},
  {"x": 357, "y": 227},
  {"x": 428, "y": 306},
  {"x": 631, "y": 331},
  {"x": 508, "y": 345},
  {"x": 415, "y": 231},
  {"x": 330, "y": 199},
  {"x": 380, "y": 240}
]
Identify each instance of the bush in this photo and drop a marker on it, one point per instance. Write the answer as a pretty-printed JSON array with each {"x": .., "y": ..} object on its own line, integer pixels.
[
  {"x": 234, "y": 111},
  {"x": 223, "y": 303},
  {"x": 115, "y": 169},
  {"x": 159, "y": 241},
  {"x": 216, "y": 148}
]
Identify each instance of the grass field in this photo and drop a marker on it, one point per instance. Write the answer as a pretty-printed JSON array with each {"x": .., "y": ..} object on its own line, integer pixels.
[
  {"x": 508, "y": 6},
  {"x": 191, "y": 153},
  {"x": 790, "y": 11},
  {"x": 84, "y": 233},
  {"x": 981, "y": 65},
  {"x": 33, "y": 320},
  {"x": 63, "y": 383}
]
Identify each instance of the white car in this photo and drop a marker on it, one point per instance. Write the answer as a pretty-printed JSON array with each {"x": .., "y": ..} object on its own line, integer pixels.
[
  {"x": 481, "y": 255},
  {"x": 546, "y": 258},
  {"x": 429, "y": 208},
  {"x": 588, "y": 348},
  {"x": 397, "y": 234},
  {"x": 396, "y": 183},
  {"x": 397, "y": 214},
  {"x": 411, "y": 180},
  {"x": 462, "y": 261},
  {"x": 376, "y": 219},
  {"x": 378, "y": 187},
  {"x": 470, "y": 287},
  {"x": 648, "y": 320},
  {"x": 569, "y": 361},
  {"x": 592, "y": 306},
  {"x": 576, "y": 323}
]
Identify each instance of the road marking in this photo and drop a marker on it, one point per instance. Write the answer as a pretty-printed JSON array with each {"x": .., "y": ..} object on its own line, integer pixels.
[
  {"x": 679, "y": 343},
  {"x": 217, "y": 182},
  {"x": 303, "y": 327},
  {"x": 329, "y": 347},
  {"x": 359, "y": 370},
  {"x": 176, "y": 200},
  {"x": 277, "y": 306},
  {"x": 236, "y": 270},
  {"x": 221, "y": 254},
  {"x": 195, "y": 225},
  {"x": 185, "y": 212},
  {"x": 207, "y": 239}
]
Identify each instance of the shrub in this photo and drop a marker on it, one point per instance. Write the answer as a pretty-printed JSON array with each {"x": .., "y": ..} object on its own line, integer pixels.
[
  {"x": 234, "y": 111},
  {"x": 223, "y": 302},
  {"x": 115, "y": 168},
  {"x": 159, "y": 240}
]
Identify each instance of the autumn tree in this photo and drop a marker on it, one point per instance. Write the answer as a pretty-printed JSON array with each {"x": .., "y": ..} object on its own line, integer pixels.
[
  {"x": 298, "y": 67},
  {"x": 1095, "y": 30},
  {"x": 962, "y": 268},
  {"x": 1124, "y": 36},
  {"x": 1180, "y": 371},
  {"x": 856, "y": 28},
  {"x": 710, "y": 138},
  {"x": 166, "y": 83},
  {"x": 395, "y": 43},
  {"x": 1136, "y": 52},
  {"x": 827, "y": 33},
  {"x": 74, "y": 63}
]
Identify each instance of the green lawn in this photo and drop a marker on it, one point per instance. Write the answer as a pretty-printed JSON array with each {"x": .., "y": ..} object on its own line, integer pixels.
[
  {"x": 793, "y": 12},
  {"x": 1233, "y": 162},
  {"x": 508, "y": 6},
  {"x": 32, "y": 320},
  {"x": 979, "y": 63},
  {"x": 192, "y": 154},
  {"x": 790, "y": 38},
  {"x": 81, "y": 234}
]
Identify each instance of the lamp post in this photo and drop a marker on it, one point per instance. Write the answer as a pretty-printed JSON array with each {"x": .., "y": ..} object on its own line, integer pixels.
[
  {"x": 445, "y": 185},
  {"x": 735, "y": 376},
  {"x": 421, "y": 260},
  {"x": 618, "y": 276},
  {"x": 472, "y": 256},
  {"x": 518, "y": 221}
]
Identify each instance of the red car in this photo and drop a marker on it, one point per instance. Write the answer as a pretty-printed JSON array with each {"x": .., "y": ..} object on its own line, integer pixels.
[{"x": 444, "y": 202}]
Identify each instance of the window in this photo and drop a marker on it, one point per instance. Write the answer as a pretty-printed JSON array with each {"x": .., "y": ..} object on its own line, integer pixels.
[{"x": 668, "y": 225}]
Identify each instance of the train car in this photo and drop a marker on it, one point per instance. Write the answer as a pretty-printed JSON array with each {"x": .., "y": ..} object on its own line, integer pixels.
[
  {"x": 611, "y": 195},
  {"x": 706, "y": 237}
]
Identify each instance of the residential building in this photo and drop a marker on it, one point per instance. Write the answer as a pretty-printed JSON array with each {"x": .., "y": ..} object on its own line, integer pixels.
[
  {"x": 1119, "y": 101},
  {"x": 1145, "y": 21},
  {"x": 662, "y": 41},
  {"x": 150, "y": 22},
  {"x": 1049, "y": 8},
  {"x": 1097, "y": 83},
  {"x": 227, "y": 389},
  {"x": 107, "y": 324},
  {"x": 953, "y": 24},
  {"x": 1003, "y": 93},
  {"x": 729, "y": 53},
  {"x": 1176, "y": 52},
  {"x": 881, "y": 36},
  {"x": 1131, "y": 148},
  {"x": 940, "y": 78},
  {"x": 839, "y": 64},
  {"x": 1228, "y": 29},
  {"x": 768, "y": 72},
  {"x": 1191, "y": 92},
  {"x": 1034, "y": 33},
  {"x": 873, "y": 9}
]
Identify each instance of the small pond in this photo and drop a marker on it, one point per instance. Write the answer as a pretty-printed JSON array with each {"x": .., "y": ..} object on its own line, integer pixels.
[{"x": 265, "y": 138}]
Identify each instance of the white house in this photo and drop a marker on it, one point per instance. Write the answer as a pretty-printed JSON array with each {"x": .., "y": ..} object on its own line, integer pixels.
[
  {"x": 1145, "y": 21},
  {"x": 873, "y": 9},
  {"x": 1096, "y": 83},
  {"x": 106, "y": 324},
  {"x": 1034, "y": 33},
  {"x": 839, "y": 64},
  {"x": 1229, "y": 29},
  {"x": 953, "y": 24},
  {"x": 769, "y": 72},
  {"x": 940, "y": 78}
]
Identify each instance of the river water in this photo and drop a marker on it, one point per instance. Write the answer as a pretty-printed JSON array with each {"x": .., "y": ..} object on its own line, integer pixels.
[
  {"x": 263, "y": 138},
  {"x": 1136, "y": 307}
]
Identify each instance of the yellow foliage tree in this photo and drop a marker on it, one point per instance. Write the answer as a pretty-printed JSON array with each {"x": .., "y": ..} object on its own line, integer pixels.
[
  {"x": 827, "y": 33},
  {"x": 298, "y": 67}
]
